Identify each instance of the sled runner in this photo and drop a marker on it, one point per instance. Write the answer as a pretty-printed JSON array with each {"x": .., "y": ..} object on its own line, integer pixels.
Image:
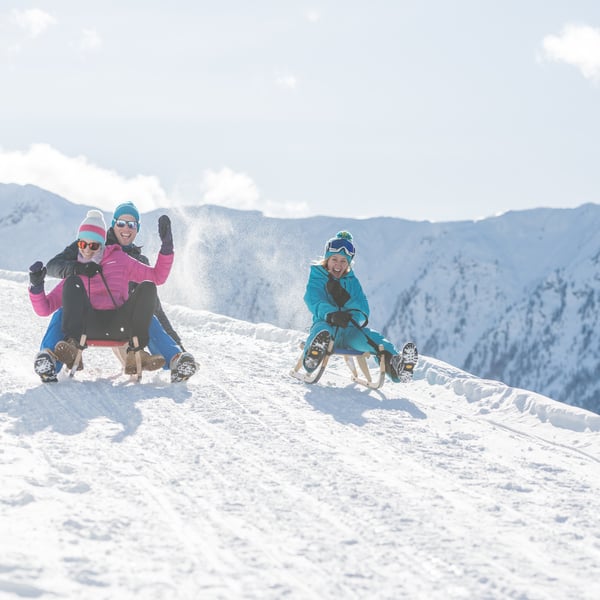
[
  {"x": 118, "y": 347},
  {"x": 365, "y": 378}
]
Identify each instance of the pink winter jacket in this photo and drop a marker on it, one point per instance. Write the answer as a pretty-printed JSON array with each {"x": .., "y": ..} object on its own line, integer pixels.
[{"x": 118, "y": 269}]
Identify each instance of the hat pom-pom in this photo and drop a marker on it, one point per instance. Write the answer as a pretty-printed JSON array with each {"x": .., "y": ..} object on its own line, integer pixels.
[
  {"x": 344, "y": 235},
  {"x": 94, "y": 214}
]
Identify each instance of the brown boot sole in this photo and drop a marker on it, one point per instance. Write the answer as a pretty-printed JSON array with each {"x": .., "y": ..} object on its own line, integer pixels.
[
  {"x": 66, "y": 353},
  {"x": 150, "y": 362}
]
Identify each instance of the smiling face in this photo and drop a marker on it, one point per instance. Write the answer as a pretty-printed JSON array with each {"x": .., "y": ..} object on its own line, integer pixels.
[
  {"x": 125, "y": 235},
  {"x": 337, "y": 265}
]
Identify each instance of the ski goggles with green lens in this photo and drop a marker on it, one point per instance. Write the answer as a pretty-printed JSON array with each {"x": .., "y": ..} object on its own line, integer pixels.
[{"x": 338, "y": 245}]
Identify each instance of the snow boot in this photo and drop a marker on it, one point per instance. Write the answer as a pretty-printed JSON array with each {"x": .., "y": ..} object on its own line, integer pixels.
[
  {"x": 66, "y": 352},
  {"x": 150, "y": 362},
  {"x": 45, "y": 366},
  {"x": 316, "y": 353},
  {"x": 182, "y": 366},
  {"x": 402, "y": 366}
]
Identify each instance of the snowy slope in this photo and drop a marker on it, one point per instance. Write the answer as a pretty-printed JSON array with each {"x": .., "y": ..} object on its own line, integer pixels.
[
  {"x": 245, "y": 483},
  {"x": 513, "y": 297}
]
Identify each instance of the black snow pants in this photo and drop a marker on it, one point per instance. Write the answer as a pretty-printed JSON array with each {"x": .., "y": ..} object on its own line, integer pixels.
[{"x": 120, "y": 324}]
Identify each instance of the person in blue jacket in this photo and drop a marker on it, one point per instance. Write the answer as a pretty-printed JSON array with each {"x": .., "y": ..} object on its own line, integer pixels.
[{"x": 340, "y": 310}]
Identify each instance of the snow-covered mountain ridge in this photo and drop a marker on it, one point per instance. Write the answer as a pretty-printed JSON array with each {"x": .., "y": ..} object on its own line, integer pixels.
[{"x": 512, "y": 298}]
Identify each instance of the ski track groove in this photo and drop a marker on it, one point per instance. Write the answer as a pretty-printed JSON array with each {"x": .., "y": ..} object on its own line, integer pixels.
[
  {"x": 322, "y": 508},
  {"x": 490, "y": 495},
  {"x": 490, "y": 498},
  {"x": 262, "y": 471},
  {"x": 361, "y": 472},
  {"x": 157, "y": 507},
  {"x": 235, "y": 530},
  {"x": 539, "y": 439}
]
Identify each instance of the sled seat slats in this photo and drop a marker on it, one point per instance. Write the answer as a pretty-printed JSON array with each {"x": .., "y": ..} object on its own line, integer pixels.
[
  {"x": 348, "y": 352},
  {"x": 106, "y": 343}
]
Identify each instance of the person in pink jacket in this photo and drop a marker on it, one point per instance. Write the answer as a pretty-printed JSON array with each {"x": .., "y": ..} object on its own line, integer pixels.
[{"x": 98, "y": 302}]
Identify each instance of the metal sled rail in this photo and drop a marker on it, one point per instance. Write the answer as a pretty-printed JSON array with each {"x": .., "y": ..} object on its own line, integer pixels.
[{"x": 364, "y": 378}]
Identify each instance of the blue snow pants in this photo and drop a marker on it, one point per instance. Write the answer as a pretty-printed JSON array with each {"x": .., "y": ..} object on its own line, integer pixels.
[{"x": 350, "y": 337}]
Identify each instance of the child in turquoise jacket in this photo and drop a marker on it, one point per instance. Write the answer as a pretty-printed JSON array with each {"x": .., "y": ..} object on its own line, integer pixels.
[{"x": 340, "y": 310}]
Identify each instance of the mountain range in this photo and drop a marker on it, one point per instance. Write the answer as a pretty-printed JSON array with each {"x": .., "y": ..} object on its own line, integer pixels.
[{"x": 513, "y": 298}]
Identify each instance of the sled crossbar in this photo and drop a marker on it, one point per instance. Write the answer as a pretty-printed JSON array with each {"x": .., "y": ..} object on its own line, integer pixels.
[
  {"x": 106, "y": 343},
  {"x": 116, "y": 345},
  {"x": 349, "y": 352},
  {"x": 364, "y": 378}
]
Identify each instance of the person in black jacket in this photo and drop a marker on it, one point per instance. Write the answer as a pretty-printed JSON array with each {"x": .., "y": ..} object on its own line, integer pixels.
[
  {"x": 65, "y": 263},
  {"x": 164, "y": 340}
]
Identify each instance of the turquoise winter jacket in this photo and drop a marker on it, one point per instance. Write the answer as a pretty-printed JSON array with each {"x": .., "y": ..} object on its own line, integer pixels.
[{"x": 320, "y": 302}]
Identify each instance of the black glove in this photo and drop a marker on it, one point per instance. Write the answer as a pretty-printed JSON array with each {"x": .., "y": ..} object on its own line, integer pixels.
[
  {"x": 166, "y": 235},
  {"x": 339, "y": 318},
  {"x": 338, "y": 293},
  {"x": 88, "y": 268},
  {"x": 37, "y": 274}
]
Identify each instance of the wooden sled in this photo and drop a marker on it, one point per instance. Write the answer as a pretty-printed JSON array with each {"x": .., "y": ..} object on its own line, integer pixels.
[
  {"x": 118, "y": 347},
  {"x": 364, "y": 378}
]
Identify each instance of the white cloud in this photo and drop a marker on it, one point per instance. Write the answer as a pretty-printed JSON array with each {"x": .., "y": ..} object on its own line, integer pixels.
[
  {"x": 235, "y": 190},
  {"x": 313, "y": 16},
  {"x": 78, "y": 180},
  {"x": 227, "y": 188},
  {"x": 577, "y": 45},
  {"x": 33, "y": 21},
  {"x": 81, "y": 182},
  {"x": 90, "y": 40},
  {"x": 287, "y": 81}
]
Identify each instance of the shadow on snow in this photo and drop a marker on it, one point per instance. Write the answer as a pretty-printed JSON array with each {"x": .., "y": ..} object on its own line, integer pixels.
[
  {"x": 348, "y": 406},
  {"x": 68, "y": 407}
]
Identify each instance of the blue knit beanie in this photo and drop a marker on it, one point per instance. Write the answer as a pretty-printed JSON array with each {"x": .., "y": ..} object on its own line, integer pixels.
[
  {"x": 127, "y": 208},
  {"x": 340, "y": 245}
]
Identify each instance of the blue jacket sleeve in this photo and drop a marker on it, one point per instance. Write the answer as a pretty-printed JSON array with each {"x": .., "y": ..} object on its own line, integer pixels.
[{"x": 316, "y": 297}]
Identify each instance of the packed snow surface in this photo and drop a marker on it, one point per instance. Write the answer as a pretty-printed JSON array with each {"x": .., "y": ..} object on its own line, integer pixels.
[{"x": 245, "y": 483}]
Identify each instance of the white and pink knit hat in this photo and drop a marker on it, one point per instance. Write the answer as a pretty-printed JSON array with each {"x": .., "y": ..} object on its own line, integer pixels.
[{"x": 93, "y": 227}]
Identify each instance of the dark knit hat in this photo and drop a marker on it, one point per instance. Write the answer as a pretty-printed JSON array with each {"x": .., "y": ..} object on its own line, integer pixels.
[{"x": 127, "y": 208}]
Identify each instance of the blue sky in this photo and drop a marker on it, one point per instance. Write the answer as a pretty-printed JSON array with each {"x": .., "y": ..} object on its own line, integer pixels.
[{"x": 416, "y": 109}]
